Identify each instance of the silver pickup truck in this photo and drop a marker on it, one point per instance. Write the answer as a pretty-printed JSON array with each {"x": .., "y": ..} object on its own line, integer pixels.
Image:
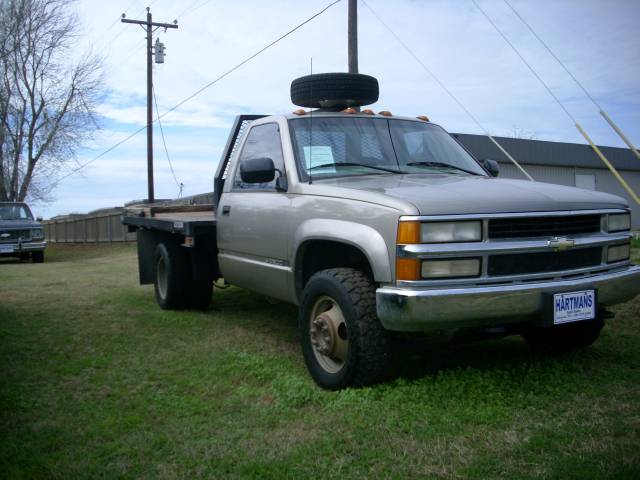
[
  {"x": 375, "y": 224},
  {"x": 20, "y": 235}
]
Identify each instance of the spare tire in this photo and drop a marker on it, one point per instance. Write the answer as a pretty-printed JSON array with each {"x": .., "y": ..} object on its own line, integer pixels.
[{"x": 330, "y": 90}]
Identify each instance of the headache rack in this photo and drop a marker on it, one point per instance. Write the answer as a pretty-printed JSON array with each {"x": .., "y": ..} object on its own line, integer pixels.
[{"x": 233, "y": 142}]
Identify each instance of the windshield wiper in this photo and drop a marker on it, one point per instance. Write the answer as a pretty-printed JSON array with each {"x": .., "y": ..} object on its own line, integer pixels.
[
  {"x": 440, "y": 164},
  {"x": 354, "y": 164}
]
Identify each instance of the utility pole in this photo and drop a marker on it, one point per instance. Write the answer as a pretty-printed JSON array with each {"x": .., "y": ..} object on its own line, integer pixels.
[
  {"x": 353, "y": 36},
  {"x": 149, "y": 24}
]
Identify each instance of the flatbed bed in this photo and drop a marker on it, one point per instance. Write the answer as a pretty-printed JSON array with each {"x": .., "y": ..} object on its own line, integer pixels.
[{"x": 185, "y": 219}]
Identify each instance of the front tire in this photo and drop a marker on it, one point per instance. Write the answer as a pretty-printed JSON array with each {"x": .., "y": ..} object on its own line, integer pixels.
[
  {"x": 566, "y": 337},
  {"x": 343, "y": 342}
]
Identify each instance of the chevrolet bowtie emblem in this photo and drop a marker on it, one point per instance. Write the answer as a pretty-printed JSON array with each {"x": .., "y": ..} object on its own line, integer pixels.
[{"x": 560, "y": 244}]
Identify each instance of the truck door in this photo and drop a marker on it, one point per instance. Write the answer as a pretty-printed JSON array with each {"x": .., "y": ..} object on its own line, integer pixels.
[{"x": 254, "y": 222}]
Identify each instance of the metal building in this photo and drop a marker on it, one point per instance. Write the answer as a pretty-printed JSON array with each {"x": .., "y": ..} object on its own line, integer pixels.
[{"x": 571, "y": 164}]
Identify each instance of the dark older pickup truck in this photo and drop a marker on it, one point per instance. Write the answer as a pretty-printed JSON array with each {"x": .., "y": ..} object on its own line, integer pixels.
[{"x": 20, "y": 235}]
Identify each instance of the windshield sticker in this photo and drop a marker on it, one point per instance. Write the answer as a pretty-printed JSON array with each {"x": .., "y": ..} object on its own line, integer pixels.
[{"x": 319, "y": 155}]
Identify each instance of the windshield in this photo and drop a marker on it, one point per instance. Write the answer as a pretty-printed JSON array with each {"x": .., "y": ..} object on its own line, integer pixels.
[
  {"x": 15, "y": 211},
  {"x": 337, "y": 146}
]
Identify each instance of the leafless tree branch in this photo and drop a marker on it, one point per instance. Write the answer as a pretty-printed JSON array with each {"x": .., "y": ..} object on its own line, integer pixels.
[{"x": 47, "y": 103}]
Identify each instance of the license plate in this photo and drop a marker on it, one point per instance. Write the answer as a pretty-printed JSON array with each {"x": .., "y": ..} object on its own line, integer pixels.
[
  {"x": 6, "y": 248},
  {"x": 574, "y": 306}
]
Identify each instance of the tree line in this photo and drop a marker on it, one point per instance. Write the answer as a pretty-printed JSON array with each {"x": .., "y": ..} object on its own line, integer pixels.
[{"x": 48, "y": 100}]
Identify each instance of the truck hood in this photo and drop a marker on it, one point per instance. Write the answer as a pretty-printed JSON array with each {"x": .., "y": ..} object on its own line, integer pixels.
[{"x": 444, "y": 194}]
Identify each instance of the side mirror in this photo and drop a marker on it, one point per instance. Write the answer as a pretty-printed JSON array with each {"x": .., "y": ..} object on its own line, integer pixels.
[
  {"x": 257, "y": 170},
  {"x": 38, "y": 219},
  {"x": 492, "y": 167}
]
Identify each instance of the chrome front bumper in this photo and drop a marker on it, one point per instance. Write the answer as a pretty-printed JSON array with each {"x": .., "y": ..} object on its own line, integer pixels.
[
  {"x": 421, "y": 310},
  {"x": 22, "y": 247}
]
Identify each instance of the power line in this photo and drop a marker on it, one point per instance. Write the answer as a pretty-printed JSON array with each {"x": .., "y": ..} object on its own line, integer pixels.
[
  {"x": 164, "y": 142},
  {"x": 553, "y": 54},
  {"x": 181, "y": 14},
  {"x": 199, "y": 91},
  {"x": 575, "y": 79},
  {"x": 196, "y": 8},
  {"x": 117, "y": 20},
  {"x": 449, "y": 92},
  {"x": 582, "y": 131},
  {"x": 248, "y": 59},
  {"x": 110, "y": 149},
  {"x": 524, "y": 60}
]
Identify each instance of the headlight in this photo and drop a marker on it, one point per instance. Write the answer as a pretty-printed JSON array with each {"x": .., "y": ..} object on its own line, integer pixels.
[
  {"x": 467, "y": 267},
  {"x": 618, "y": 222},
  {"x": 618, "y": 253},
  {"x": 445, "y": 232},
  {"x": 414, "y": 232},
  {"x": 37, "y": 233}
]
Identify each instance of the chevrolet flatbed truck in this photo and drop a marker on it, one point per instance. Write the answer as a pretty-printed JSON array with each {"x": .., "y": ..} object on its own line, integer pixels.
[{"x": 377, "y": 225}]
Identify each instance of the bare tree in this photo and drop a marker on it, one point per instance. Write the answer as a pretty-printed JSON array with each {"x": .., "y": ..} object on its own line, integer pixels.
[
  {"x": 47, "y": 102},
  {"x": 519, "y": 132}
]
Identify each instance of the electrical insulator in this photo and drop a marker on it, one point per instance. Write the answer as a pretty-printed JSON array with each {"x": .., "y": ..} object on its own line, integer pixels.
[{"x": 159, "y": 51}]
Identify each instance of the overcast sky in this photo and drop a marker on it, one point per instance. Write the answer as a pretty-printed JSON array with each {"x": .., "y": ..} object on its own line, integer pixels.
[{"x": 597, "y": 39}]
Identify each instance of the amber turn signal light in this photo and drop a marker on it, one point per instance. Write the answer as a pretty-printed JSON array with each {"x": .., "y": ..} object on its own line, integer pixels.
[
  {"x": 407, "y": 269},
  {"x": 408, "y": 232}
]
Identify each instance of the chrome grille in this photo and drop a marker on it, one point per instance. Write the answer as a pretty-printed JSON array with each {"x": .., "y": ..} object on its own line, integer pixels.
[
  {"x": 500, "y": 228},
  {"x": 12, "y": 236},
  {"x": 543, "y": 262}
]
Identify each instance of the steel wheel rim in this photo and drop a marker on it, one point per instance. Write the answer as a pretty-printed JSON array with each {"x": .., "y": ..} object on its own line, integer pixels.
[
  {"x": 161, "y": 277},
  {"x": 328, "y": 335}
]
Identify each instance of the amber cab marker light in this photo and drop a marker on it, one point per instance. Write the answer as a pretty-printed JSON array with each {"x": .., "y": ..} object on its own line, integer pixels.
[
  {"x": 368, "y": 112},
  {"x": 408, "y": 233},
  {"x": 300, "y": 111},
  {"x": 407, "y": 269},
  {"x": 349, "y": 110},
  {"x": 424, "y": 118},
  {"x": 385, "y": 113}
]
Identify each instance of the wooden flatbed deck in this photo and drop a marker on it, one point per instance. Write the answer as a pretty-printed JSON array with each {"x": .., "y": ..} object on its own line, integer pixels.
[{"x": 184, "y": 219}]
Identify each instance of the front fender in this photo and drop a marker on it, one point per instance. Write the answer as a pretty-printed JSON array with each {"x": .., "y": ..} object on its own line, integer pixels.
[{"x": 363, "y": 237}]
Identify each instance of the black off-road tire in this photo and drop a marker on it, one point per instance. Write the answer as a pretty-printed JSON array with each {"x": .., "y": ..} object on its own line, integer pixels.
[
  {"x": 200, "y": 295},
  {"x": 369, "y": 344},
  {"x": 327, "y": 90},
  {"x": 571, "y": 336},
  {"x": 172, "y": 279},
  {"x": 37, "y": 257}
]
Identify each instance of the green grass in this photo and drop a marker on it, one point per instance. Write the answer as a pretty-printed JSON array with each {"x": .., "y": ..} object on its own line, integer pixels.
[{"x": 97, "y": 382}]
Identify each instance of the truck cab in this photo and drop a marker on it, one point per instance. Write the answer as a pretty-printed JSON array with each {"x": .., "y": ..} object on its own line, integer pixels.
[
  {"x": 21, "y": 236},
  {"x": 377, "y": 225}
]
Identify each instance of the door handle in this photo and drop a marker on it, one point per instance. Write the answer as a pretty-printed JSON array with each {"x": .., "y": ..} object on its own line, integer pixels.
[{"x": 226, "y": 209}]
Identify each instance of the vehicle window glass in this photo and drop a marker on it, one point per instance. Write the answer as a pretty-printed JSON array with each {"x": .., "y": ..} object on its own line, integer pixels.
[
  {"x": 425, "y": 147},
  {"x": 14, "y": 211},
  {"x": 338, "y": 146},
  {"x": 330, "y": 146},
  {"x": 262, "y": 141}
]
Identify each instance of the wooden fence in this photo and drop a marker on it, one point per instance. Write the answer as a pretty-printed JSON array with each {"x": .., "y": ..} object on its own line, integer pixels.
[
  {"x": 91, "y": 228},
  {"x": 105, "y": 225}
]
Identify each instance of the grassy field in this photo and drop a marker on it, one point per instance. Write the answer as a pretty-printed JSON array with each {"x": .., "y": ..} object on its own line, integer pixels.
[{"x": 97, "y": 382}]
